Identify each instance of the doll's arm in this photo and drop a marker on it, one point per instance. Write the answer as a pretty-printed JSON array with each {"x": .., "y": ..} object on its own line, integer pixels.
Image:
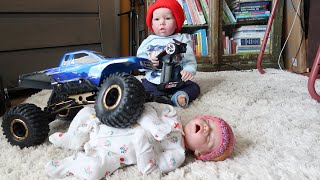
[
  {"x": 150, "y": 159},
  {"x": 79, "y": 130},
  {"x": 155, "y": 117},
  {"x": 189, "y": 62}
]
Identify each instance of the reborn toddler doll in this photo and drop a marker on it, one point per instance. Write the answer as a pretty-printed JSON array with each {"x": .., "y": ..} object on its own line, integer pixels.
[{"x": 165, "y": 19}]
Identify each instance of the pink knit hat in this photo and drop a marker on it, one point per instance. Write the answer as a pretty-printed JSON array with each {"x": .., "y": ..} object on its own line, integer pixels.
[
  {"x": 175, "y": 8},
  {"x": 225, "y": 148}
]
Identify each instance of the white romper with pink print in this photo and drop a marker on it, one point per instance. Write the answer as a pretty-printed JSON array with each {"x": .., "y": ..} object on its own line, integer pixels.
[{"x": 155, "y": 145}]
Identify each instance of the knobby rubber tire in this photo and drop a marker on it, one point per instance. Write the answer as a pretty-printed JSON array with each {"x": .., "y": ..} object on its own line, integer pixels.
[
  {"x": 25, "y": 125},
  {"x": 120, "y": 100}
]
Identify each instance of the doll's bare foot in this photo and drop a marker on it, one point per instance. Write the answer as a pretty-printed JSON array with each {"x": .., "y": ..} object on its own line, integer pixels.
[{"x": 182, "y": 100}]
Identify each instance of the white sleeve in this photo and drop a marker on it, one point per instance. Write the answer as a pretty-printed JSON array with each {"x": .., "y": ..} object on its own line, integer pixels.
[
  {"x": 79, "y": 130},
  {"x": 155, "y": 119},
  {"x": 148, "y": 157}
]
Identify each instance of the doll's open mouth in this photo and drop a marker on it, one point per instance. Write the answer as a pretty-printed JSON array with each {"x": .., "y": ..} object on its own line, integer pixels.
[{"x": 197, "y": 128}]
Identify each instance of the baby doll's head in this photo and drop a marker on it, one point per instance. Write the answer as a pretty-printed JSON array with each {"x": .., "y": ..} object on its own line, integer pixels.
[
  {"x": 175, "y": 8},
  {"x": 209, "y": 137}
]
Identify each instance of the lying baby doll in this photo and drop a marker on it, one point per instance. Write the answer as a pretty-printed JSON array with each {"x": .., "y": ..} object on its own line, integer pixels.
[{"x": 157, "y": 143}]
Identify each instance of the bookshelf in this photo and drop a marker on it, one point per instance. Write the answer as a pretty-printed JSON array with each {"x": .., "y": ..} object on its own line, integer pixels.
[
  {"x": 205, "y": 62},
  {"x": 244, "y": 56}
]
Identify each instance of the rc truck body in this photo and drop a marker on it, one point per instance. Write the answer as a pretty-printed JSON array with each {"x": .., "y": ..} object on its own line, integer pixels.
[
  {"x": 87, "y": 77},
  {"x": 83, "y": 77}
]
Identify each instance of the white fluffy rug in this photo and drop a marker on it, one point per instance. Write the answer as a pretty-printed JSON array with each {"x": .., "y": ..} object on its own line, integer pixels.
[{"x": 275, "y": 121}]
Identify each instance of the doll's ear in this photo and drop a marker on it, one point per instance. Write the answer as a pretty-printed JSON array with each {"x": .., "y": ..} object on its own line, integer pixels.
[{"x": 197, "y": 153}]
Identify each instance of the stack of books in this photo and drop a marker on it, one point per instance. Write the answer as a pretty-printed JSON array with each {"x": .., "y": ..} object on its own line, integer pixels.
[
  {"x": 250, "y": 10},
  {"x": 246, "y": 40},
  {"x": 200, "y": 42},
  {"x": 196, "y": 11}
]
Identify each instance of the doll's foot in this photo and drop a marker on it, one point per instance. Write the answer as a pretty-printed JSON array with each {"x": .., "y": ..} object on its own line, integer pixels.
[
  {"x": 180, "y": 99},
  {"x": 59, "y": 168}
]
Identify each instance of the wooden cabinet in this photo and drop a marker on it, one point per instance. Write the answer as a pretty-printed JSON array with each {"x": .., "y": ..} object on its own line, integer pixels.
[{"x": 216, "y": 59}]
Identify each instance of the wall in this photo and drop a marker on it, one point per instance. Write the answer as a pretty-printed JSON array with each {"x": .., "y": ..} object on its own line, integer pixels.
[
  {"x": 313, "y": 32},
  {"x": 296, "y": 37},
  {"x": 124, "y": 26}
]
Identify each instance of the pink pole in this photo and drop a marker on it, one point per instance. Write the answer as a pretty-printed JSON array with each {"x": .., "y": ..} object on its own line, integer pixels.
[
  {"x": 313, "y": 76},
  {"x": 265, "y": 37}
]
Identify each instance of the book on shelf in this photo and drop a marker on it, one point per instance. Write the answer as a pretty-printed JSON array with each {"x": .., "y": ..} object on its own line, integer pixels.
[
  {"x": 247, "y": 49},
  {"x": 247, "y": 6},
  {"x": 227, "y": 49},
  {"x": 224, "y": 44},
  {"x": 252, "y": 19},
  {"x": 251, "y": 11},
  {"x": 228, "y": 12},
  {"x": 250, "y": 41},
  {"x": 251, "y": 28},
  {"x": 247, "y": 1},
  {"x": 186, "y": 12},
  {"x": 225, "y": 18},
  {"x": 200, "y": 12},
  {"x": 204, "y": 42},
  {"x": 193, "y": 12},
  {"x": 205, "y": 9},
  {"x": 248, "y": 34},
  {"x": 200, "y": 42},
  {"x": 246, "y": 16},
  {"x": 196, "y": 11}
]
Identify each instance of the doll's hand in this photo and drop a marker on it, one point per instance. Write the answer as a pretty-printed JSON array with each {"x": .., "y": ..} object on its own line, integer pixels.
[
  {"x": 186, "y": 75},
  {"x": 154, "y": 61}
]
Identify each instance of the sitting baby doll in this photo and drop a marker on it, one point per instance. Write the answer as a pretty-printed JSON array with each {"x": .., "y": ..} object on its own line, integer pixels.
[{"x": 158, "y": 143}]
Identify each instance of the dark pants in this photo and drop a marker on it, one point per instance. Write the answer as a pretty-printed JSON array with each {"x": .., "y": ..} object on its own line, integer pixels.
[{"x": 190, "y": 87}]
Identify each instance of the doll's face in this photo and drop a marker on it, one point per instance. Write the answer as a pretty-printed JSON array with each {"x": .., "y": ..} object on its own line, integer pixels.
[
  {"x": 202, "y": 136},
  {"x": 163, "y": 22}
]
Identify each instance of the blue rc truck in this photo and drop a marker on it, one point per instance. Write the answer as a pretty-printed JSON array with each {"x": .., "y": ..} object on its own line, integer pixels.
[
  {"x": 87, "y": 77},
  {"x": 83, "y": 77}
]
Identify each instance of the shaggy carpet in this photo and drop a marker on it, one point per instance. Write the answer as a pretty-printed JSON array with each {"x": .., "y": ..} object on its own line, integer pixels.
[{"x": 275, "y": 121}]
